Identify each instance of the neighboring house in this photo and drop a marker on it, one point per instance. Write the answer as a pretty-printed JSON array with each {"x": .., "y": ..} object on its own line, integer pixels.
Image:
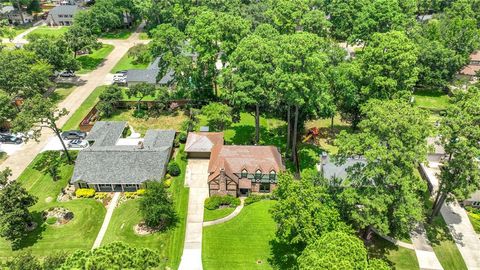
[
  {"x": 473, "y": 68},
  {"x": 332, "y": 171},
  {"x": 437, "y": 152},
  {"x": 13, "y": 16},
  {"x": 149, "y": 75},
  {"x": 236, "y": 170},
  {"x": 115, "y": 164},
  {"x": 474, "y": 200},
  {"x": 62, "y": 15}
]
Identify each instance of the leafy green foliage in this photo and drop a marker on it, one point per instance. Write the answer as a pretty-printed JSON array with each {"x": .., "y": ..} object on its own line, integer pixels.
[
  {"x": 173, "y": 168},
  {"x": 54, "y": 261},
  {"x": 53, "y": 50},
  {"x": 80, "y": 38},
  {"x": 156, "y": 207},
  {"x": 24, "y": 261},
  {"x": 215, "y": 201},
  {"x": 219, "y": 116},
  {"x": 117, "y": 255},
  {"x": 385, "y": 192},
  {"x": 253, "y": 198},
  {"x": 50, "y": 162},
  {"x": 140, "y": 54},
  {"x": 85, "y": 193},
  {"x": 338, "y": 250},
  {"x": 108, "y": 100}
]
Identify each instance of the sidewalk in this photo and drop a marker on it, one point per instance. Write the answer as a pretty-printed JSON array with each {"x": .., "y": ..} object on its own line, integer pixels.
[
  {"x": 106, "y": 220},
  {"x": 235, "y": 213},
  {"x": 425, "y": 255}
]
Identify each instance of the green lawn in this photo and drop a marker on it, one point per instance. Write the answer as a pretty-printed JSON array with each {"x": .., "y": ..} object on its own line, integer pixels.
[
  {"x": 75, "y": 119},
  {"x": 399, "y": 258},
  {"x": 125, "y": 63},
  {"x": 3, "y": 156},
  {"x": 62, "y": 91},
  {"x": 474, "y": 219},
  {"x": 328, "y": 134},
  {"x": 123, "y": 33},
  {"x": 141, "y": 125},
  {"x": 17, "y": 30},
  {"x": 51, "y": 31},
  {"x": 91, "y": 61},
  {"x": 80, "y": 233},
  {"x": 209, "y": 215},
  {"x": 443, "y": 245},
  {"x": 243, "y": 242},
  {"x": 169, "y": 243},
  {"x": 431, "y": 99},
  {"x": 125, "y": 97}
]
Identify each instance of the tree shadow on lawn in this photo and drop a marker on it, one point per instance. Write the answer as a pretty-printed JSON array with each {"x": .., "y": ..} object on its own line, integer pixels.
[
  {"x": 437, "y": 231},
  {"x": 283, "y": 256},
  {"x": 245, "y": 135},
  {"x": 32, "y": 237},
  {"x": 89, "y": 63},
  {"x": 378, "y": 248}
]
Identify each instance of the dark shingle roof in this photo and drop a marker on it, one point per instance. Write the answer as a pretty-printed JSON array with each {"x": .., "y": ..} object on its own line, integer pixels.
[
  {"x": 107, "y": 163},
  {"x": 142, "y": 75},
  {"x": 64, "y": 10}
]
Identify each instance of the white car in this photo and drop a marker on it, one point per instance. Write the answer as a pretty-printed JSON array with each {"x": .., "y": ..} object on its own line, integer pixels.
[{"x": 78, "y": 144}]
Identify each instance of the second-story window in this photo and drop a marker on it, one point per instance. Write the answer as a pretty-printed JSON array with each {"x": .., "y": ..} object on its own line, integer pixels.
[
  {"x": 258, "y": 175},
  {"x": 244, "y": 174},
  {"x": 272, "y": 175}
]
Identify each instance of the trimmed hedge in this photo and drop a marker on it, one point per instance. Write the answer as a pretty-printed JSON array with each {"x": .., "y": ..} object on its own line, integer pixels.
[
  {"x": 253, "y": 198},
  {"x": 85, "y": 193},
  {"x": 215, "y": 201}
]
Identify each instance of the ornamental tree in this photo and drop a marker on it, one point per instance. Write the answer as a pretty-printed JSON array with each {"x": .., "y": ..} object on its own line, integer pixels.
[
  {"x": 156, "y": 207},
  {"x": 140, "y": 91},
  {"x": 386, "y": 192}
]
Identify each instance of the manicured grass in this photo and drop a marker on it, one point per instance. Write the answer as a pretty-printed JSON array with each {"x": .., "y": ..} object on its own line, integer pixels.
[
  {"x": 51, "y": 31},
  {"x": 91, "y": 61},
  {"x": 443, "y": 245},
  {"x": 209, "y": 215},
  {"x": 125, "y": 63},
  {"x": 123, "y": 33},
  {"x": 327, "y": 134},
  {"x": 169, "y": 243},
  {"x": 475, "y": 220},
  {"x": 17, "y": 30},
  {"x": 77, "y": 117},
  {"x": 431, "y": 99},
  {"x": 62, "y": 91},
  {"x": 397, "y": 257},
  {"x": 141, "y": 125},
  {"x": 143, "y": 36},
  {"x": 241, "y": 243},
  {"x": 79, "y": 233}
]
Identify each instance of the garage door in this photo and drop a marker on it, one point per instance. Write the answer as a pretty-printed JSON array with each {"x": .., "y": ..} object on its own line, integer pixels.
[{"x": 198, "y": 154}]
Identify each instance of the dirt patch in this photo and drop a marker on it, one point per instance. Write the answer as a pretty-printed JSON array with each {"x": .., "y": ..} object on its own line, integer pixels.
[
  {"x": 57, "y": 216},
  {"x": 48, "y": 199},
  {"x": 143, "y": 229}
]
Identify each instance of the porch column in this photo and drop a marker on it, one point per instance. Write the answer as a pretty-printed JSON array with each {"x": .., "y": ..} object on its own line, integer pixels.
[
  {"x": 122, "y": 188},
  {"x": 112, "y": 186}
]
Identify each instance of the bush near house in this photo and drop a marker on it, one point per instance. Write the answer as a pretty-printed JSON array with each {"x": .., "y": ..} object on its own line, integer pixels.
[
  {"x": 85, "y": 193},
  {"x": 253, "y": 198},
  {"x": 215, "y": 201},
  {"x": 173, "y": 168}
]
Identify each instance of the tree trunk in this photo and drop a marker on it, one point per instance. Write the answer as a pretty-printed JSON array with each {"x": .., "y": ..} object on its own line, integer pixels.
[
  {"x": 57, "y": 132},
  {"x": 294, "y": 141},
  {"x": 438, "y": 206},
  {"x": 331, "y": 122},
  {"x": 289, "y": 128},
  {"x": 20, "y": 10},
  {"x": 257, "y": 123}
]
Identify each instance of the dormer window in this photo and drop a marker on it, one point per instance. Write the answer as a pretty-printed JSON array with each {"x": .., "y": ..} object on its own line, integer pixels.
[
  {"x": 244, "y": 174},
  {"x": 272, "y": 175},
  {"x": 258, "y": 175}
]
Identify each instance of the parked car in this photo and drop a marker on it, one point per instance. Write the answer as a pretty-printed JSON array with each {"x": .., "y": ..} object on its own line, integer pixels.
[
  {"x": 124, "y": 72},
  {"x": 73, "y": 135},
  {"x": 78, "y": 144},
  {"x": 67, "y": 73},
  {"x": 9, "y": 138}
]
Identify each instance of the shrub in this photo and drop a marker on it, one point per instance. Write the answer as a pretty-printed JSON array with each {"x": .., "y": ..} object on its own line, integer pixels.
[
  {"x": 253, "y": 198},
  {"x": 182, "y": 137},
  {"x": 167, "y": 183},
  {"x": 173, "y": 168},
  {"x": 141, "y": 192},
  {"x": 85, "y": 193},
  {"x": 130, "y": 195},
  {"x": 139, "y": 113},
  {"x": 215, "y": 201},
  {"x": 51, "y": 220},
  {"x": 100, "y": 195}
]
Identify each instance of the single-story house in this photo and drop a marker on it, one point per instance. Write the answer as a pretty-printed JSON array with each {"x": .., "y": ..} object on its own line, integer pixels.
[
  {"x": 62, "y": 15},
  {"x": 110, "y": 166},
  {"x": 200, "y": 144},
  {"x": 149, "y": 75},
  {"x": 331, "y": 171},
  {"x": 13, "y": 15},
  {"x": 236, "y": 170},
  {"x": 474, "y": 200}
]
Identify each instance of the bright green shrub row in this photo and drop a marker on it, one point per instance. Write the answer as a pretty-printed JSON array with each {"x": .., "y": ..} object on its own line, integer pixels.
[
  {"x": 215, "y": 201},
  {"x": 134, "y": 194},
  {"x": 100, "y": 195},
  {"x": 253, "y": 198},
  {"x": 85, "y": 193}
]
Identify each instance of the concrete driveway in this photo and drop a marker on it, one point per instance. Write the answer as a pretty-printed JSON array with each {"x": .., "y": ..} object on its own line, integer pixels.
[
  {"x": 19, "y": 160},
  {"x": 196, "y": 178}
]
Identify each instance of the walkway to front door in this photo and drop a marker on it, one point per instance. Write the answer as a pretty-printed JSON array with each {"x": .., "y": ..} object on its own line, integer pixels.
[{"x": 196, "y": 178}]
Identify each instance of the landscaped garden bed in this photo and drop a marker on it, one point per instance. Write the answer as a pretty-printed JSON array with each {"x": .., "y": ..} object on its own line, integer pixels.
[{"x": 57, "y": 216}]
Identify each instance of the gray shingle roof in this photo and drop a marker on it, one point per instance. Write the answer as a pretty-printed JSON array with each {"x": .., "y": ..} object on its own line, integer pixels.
[
  {"x": 107, "y": 163},
  {"x": 106, "y": 133},
  {"x": 142, "y": 75},
  {"x": 331, "y": 170},
  {"x": 64, "y": 10},
  {"x": 6, "y": 9}
]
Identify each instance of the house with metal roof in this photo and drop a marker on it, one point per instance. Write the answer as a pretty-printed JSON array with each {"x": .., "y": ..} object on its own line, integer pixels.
[
  {"x": 108, "y": 165},
  {"x": 62, "y": 15}
]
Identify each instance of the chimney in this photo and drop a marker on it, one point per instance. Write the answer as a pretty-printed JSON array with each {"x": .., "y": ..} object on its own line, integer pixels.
[
  {"x": 140, "y": 145},
  {"x": 324, "y": 158}
]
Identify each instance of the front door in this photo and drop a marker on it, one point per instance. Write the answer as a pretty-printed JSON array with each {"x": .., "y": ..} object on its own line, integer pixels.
[{"x": 244, "y": 192}]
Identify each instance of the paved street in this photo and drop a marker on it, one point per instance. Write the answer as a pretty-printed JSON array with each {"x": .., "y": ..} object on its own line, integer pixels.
[
  {"x": 196, "y": 178},
  {"x": 19, "y": 160}
]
